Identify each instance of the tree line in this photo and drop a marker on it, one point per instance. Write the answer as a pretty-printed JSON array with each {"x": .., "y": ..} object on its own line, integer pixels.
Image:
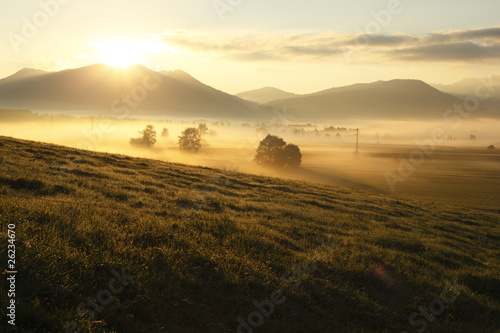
[{"x": 272, "y": 150}]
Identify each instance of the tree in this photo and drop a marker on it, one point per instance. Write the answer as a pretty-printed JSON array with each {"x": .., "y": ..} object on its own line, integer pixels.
[
  {"x": 165, "y": 132},
  {"x": 203, "y": 128},
  {"x": 274, "y": 151},
  {"x": 292, "y": 155},
  {"x": 491, "y": 147},
  {"x": 190, "y": 140},
  {"x": 148, "y": 137}
]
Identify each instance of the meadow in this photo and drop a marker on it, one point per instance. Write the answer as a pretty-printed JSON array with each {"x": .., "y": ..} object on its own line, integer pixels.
[{"x": 112, "y": 243}]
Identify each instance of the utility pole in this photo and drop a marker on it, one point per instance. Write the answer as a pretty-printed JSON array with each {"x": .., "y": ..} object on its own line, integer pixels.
[{"x": 356, "y": 153}]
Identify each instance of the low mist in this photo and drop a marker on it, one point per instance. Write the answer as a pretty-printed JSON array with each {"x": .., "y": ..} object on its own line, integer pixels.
[{"x": 327, "y": 149}]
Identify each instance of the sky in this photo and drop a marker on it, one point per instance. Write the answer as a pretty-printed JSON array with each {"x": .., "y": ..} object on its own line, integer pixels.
[{"x": 239, "y": 45}]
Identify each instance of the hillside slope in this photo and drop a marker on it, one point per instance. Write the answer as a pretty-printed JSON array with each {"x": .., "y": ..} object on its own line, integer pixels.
[{"x": 147, "y": 246}]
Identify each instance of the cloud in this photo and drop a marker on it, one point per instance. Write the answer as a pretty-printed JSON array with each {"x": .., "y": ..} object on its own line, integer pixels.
[
  {"x": 466, "y": 51},
  {"x": 489, "y": 33},
  {"x": 453, "y": 46}
]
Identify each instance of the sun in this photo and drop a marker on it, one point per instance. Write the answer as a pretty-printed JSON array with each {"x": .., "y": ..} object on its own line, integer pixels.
[{"x": 123, "y": 53}]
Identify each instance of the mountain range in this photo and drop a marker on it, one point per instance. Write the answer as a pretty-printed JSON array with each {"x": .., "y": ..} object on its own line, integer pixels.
[
  {"x": 487, "y": 88},
  {"x": 104, "y": 89},
  {"x": 388, "y": 100},
  {"x": 139, "y": 90}
]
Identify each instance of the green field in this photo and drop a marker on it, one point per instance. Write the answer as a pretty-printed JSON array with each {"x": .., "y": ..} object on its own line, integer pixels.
[{"x": 112, "y": 243}]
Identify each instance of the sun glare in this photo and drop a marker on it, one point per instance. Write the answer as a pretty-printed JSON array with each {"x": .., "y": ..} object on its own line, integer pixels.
[{"x": 124, "y": 53}]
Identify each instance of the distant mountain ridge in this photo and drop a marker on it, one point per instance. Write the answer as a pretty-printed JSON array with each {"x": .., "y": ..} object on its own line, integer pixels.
[
  {"x": 395, "y": 99},
  {"x": 96, "y": 88},
  {"x": 468, "y": 86},
  {"x": 265, "y": 95},
  {"x": 24, "y": 73},
  {"x": 488, "y": 89},
  {"x": 102, "y": 89}
]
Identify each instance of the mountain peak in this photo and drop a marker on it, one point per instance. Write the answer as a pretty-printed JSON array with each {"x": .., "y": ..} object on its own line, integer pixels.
[
  {"x": 178, "y": 74},
  {"x": 401, "y": 84},
  {"x": 406, "y": 81},
  {"x": 24, "y": 74},
  {"x": 265, "y": 95},
  {"x": 30, "y": 71}
]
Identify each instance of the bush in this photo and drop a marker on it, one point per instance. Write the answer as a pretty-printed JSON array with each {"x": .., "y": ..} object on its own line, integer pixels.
[
  {"x": 491, "y": 147},
  {"x": 274, "y": 151},
  {"x": 190, "y": 140}
]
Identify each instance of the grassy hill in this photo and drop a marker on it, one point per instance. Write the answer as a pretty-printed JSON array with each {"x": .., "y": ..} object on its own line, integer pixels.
[{"x": 109, "y": 243}]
